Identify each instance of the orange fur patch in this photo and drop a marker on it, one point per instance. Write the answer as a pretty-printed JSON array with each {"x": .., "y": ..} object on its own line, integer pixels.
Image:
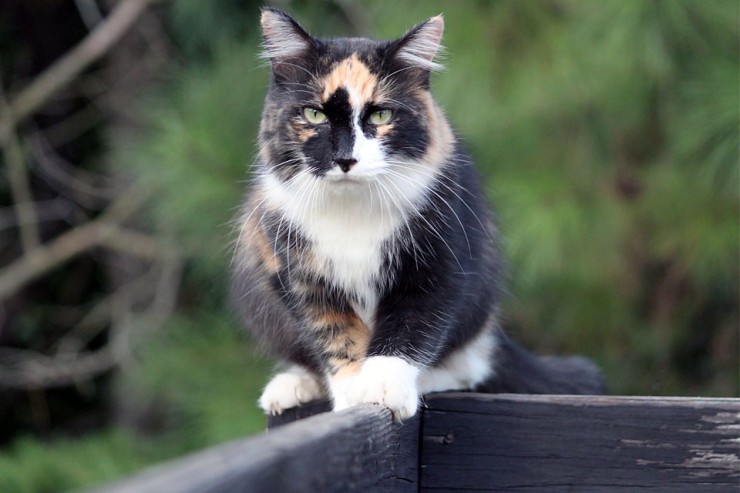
[
  {"x": 353, "y": 75},
  {"x": 304, "y": 133},
  {"x": 441, "y": 138},
  {"x": 350, "y": 340},
  {"x": 258, "y": 241},
  {"x": 344, "y": 369},
  {"x": 383, "y": 130},
  {"x": 336, "y": 318},
  {"x": 254, "y": 246},
  {"x": 267, "y": 254}
]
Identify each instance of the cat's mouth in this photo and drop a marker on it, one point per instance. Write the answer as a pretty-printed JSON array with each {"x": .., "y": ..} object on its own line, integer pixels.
[
  {"x": 347, "y": 180},
  {"x": 351, "y": 178}
]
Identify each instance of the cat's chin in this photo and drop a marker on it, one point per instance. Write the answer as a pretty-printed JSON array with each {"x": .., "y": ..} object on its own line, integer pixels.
[{"x": 348, "y": 180}]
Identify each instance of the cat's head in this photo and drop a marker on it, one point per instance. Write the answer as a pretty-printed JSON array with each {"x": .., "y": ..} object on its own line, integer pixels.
[{"x": 348, "y": 111}]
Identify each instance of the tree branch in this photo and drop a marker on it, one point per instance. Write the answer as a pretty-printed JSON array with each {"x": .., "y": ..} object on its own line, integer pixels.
[
  {"x": 20, "y": 186},
  {"x": 36, "y": 371},
  {"x": 103, "y": 230},
  {"x": 95, "y": 45}
]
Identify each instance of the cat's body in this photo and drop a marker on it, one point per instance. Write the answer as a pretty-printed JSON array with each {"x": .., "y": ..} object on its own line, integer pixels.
[{"x": 367, "y": 257}]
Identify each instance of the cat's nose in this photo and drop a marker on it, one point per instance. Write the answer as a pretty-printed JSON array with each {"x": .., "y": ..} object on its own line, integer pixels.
[{"x": 345, "y": 163}]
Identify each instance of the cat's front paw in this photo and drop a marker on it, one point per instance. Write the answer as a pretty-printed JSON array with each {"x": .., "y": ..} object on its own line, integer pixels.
[
  {"x": 290, "y": 389},
  {"x": 386, "y": 380}
]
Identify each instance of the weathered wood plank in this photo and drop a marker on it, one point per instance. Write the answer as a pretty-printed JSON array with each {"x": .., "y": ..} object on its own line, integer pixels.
[
  {"x": 404, "y": 474},
  {"x": 476, "y": 442},
  {"x": 298, "y": 413},
  {"x": 356, "y": 450},
  {"x": 482, "y": 442}
]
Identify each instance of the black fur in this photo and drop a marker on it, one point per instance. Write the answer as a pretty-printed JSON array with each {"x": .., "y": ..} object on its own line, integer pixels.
[{"x": 438, "y": 282}]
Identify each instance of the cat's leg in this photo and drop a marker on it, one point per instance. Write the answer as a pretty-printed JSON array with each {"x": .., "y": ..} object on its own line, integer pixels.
[
  {"x": 291, "y": 388},
  {"x": 344, "y": 346},
  {"x": 396, "y": 383},
  {"x": 411, "y": 328},
  {"x": 342, "y": 341},
  {"x": 339, "y": 341}
]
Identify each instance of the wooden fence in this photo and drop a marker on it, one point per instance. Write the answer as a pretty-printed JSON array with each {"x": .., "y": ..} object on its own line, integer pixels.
[{"x": 475, "y": 442}]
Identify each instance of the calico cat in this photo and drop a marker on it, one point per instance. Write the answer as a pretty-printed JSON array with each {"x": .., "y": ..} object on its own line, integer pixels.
[{"x": 367, "y": 259}]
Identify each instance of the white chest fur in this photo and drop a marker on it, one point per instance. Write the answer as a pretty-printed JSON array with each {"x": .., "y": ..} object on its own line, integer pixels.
[
  {"x": 347, "y": 225},
  {"x": 350, "y": 222},
  {"x": 348, "y": 243}
]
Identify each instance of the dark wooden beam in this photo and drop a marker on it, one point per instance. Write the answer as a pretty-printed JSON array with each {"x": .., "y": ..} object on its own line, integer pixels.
[
  {"x": 483, "y": 442},
  {"x": 360, "y": 450},
  {"x": 298, "y": 413},
  {"x": 475, "y": 442}
]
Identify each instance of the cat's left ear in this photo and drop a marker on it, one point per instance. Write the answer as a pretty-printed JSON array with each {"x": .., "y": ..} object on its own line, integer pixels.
[{"x": 421, "y": 45}]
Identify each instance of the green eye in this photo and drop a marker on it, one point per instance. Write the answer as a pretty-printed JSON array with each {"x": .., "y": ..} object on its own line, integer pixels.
[
  {"x": 380, "y": 117},
  {"x": 314, "y": 116}
]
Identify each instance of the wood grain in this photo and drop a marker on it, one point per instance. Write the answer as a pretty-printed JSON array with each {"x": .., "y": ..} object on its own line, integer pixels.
[
  {"x": 356, "y": 450},
  {"x": 481, "y": 442},
  {"x": 476, "y": 442}
]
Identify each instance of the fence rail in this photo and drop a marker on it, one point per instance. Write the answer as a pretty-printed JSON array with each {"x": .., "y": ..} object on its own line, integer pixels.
[{"x": 475, "y": 442}]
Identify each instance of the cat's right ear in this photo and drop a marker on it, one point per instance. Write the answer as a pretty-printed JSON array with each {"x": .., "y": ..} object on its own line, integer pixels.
[
  {"x": 420, "y": 46},
  {"x": 285, "y": 42}
]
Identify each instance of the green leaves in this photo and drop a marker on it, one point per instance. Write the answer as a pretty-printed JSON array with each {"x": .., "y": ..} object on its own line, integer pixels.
[
  {"x": 608, "y": 135},
  {"x": 611, "y": 144},
  {"x": 195, "y": 152}
]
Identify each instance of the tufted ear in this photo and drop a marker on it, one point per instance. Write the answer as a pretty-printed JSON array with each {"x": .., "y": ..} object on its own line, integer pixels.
[
  {"x": 284, "y": 39},
  {"x": 421, "y": 44}
]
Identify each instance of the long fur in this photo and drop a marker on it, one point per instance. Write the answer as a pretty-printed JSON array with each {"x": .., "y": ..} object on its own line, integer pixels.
[{"x": 367, "y": 258}]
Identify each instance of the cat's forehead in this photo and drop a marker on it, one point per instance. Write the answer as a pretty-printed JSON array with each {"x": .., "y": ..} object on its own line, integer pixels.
[
  {"x": 353, "y": 64},
  {"x": 354, "y": 76},
  {"x": 333, "y": 50}
]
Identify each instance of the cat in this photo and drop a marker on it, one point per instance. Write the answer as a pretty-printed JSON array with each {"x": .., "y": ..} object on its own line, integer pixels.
[{"x": 367, "y": 257}]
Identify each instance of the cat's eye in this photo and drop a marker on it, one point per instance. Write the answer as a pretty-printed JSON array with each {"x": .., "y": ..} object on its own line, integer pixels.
[
  {"x": 380, "y": 117},
  {"x": 314, "y": 116}
]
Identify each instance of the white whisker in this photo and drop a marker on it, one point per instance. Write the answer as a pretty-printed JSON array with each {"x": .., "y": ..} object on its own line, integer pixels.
[
  {"x": 431, "y": 227},
  {"x": 445, "y": 202},
  {"x": 448, "y": 187}
]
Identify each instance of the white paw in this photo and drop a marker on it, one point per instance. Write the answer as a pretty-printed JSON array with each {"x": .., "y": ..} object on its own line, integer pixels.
[
  {"x": 385, "y": 380},
  {"x": 290, "y": 389}
]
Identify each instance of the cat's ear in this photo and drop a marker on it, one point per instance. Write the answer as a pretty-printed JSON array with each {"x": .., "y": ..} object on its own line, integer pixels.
[
  {"x": 421, "y": 45},
  {"x": 284, "y": 39}
]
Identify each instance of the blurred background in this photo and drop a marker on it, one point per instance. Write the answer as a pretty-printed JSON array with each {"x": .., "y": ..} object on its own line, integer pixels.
[{"x": 607, "y": 133}]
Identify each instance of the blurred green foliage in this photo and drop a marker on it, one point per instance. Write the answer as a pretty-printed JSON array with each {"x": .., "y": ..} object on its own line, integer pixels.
[
  {"x": 608, "y": 136},
  {"x": 607, "y": 133},
  {"x": 194, "y": 385}
]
